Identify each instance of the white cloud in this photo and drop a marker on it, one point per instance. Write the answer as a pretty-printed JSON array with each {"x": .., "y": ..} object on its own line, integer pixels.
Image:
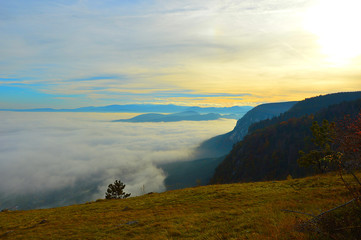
[
  {"x": 85, "y": 38},
  {"x": 47, "y": 152}
]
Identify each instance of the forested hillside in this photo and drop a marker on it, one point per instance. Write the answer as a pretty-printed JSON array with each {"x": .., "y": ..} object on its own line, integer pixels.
[
  {"x": 222, "y": 144},
  {"x": 272, "y": 152},
  {"x": 308, "y": 106}
]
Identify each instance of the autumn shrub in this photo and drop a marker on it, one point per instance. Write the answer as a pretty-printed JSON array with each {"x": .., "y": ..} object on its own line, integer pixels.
[{"x": 342, "y": 223}]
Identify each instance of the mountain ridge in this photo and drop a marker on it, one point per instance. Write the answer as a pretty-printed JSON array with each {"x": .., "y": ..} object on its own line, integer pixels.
[
  {"x": 271, "y": 152},
  {"x": 176, "y": 117},
  {"x": 222, "y": 144},
  {"x": 143, "y": 108},
  {"x": 308, "y": 106}
]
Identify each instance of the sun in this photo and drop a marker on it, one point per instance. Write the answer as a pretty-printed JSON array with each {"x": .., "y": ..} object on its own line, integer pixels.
[{"x": 337, "y": 26}]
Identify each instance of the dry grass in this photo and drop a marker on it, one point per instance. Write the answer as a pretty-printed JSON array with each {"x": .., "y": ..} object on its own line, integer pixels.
[{"x": 233, "y": 211}]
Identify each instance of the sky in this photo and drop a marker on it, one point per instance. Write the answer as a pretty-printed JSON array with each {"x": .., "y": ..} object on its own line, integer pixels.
[
  {"x": 52, "y": 159},
  {"x": 68, "y": 53}
]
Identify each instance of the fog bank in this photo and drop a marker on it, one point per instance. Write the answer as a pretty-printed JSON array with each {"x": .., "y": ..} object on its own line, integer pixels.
[{"x": 52, "y": 159}]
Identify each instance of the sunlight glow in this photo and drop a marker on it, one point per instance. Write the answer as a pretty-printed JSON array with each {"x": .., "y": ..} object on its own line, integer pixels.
[{"x": 337, "y": 25}]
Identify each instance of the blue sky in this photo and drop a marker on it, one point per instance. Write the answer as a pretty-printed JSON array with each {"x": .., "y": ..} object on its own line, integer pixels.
[{"x": 68, "y": 54}]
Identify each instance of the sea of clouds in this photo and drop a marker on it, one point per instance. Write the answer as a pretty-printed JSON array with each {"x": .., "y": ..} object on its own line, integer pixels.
[{"x": 54, "y": 159}]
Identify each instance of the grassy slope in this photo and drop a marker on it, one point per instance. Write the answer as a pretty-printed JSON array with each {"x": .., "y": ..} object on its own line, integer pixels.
[{"x": 233, "y": 211}]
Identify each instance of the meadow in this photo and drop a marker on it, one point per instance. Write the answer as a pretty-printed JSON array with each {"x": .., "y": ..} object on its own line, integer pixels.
[{"x": 230, "y": 211}]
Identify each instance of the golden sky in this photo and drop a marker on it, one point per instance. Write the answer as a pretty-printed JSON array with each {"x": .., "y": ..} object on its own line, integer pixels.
[{"x": 206, "y": 52}]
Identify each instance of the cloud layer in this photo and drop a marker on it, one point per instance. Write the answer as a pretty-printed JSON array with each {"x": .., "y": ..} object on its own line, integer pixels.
[{"x": 75, "y": 156}]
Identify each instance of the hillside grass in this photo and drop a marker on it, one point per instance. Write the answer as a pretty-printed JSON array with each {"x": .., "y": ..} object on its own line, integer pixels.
[{"x": 229, "y": 211}]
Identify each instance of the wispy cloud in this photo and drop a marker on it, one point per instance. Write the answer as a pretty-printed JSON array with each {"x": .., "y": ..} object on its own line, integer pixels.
[
  {"x": 96, "y": 78},
  {"x": 204, "y": 46}
]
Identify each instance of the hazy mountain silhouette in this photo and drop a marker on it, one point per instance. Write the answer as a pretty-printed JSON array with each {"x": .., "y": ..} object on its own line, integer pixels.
[
  {"x": 175, "y": 117},
  {"x": 144, "y": 108}
]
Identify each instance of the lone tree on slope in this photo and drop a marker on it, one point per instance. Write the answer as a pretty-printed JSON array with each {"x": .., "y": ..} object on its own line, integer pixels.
[{"x": 115, "y": 191}]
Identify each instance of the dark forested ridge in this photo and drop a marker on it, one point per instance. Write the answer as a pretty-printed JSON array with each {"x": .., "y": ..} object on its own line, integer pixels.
[
  {"x": 306, "y": 107},
  {"x": 212, "y": 152},
  {"x": 259, "y": 113},
  {"x": 272, "y": 152},
  {"x": 222, "y": 144}
]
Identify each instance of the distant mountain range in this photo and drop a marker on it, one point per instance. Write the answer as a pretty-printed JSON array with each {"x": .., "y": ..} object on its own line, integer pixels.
[
  {"x": 145, "y": 108},
  {"x": 176, "y": 117}
]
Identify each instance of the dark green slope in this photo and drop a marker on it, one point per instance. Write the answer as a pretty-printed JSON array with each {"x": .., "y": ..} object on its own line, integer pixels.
[
  {"x": 272, "y": 152},
  {"x": 308, "y": 106},
  {"x": 222, "y": 144},
  {"x": 189, "y": 173}
]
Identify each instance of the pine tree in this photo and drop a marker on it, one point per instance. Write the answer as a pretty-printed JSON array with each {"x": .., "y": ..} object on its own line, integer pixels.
[
  {"x": 323, "y": 138},
  {"x": 115, "y": 191}
]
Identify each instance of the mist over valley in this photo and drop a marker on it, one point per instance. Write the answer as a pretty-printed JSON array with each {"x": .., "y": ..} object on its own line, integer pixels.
[{"x": 55, "y": 159}]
